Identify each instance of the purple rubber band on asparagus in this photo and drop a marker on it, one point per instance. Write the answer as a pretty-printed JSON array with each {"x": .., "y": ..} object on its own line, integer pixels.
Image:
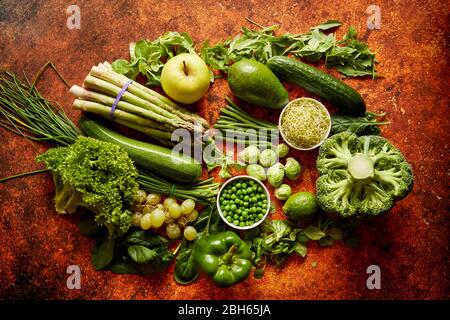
[{"x": 119, "y": 96}]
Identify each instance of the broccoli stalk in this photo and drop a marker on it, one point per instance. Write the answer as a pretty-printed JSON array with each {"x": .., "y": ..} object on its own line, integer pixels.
[
  {"x": 67, "y": 198},
  {"x": 360, "y": 167},
  {"x": 96, "y": 175},
  {"x": 361, "y": 176}
]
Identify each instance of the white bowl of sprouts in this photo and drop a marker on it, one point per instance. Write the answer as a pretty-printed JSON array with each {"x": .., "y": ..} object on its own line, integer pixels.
[{"x": 304, "y": 123}]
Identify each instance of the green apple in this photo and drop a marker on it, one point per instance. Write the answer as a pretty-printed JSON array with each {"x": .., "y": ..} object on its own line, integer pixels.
[{"x": 185, "y": 78}]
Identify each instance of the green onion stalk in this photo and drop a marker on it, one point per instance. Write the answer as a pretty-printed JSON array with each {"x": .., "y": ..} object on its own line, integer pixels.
[
  {"x": 25, "y": 112},
  {"x": 204, "y": 192},
  {"x": 237, "y": 126}
]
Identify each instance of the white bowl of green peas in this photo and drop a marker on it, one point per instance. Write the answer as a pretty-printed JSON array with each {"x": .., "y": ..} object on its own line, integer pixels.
[{"x": 243, "y": 202}]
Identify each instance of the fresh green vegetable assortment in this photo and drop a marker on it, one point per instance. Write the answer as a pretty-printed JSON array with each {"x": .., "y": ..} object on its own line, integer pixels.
[
  {"x": 186, "y": 269},
  {"x": 140, "y": 108},
  {"x": 149, "y": 157},
  {"x": 146, "y": 205}
]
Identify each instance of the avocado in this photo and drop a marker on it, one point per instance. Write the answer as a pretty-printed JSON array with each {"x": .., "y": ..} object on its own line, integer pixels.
[{"x": 253, "y": 82}]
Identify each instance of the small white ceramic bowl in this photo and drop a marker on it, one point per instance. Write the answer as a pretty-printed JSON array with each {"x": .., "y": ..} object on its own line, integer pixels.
[
  {"x": 287, "y": 141},
  {"x": 243, "y": 177}
]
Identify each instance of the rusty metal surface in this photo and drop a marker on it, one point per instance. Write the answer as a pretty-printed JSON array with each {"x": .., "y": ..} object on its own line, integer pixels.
[{"x": 410, "y": 244}]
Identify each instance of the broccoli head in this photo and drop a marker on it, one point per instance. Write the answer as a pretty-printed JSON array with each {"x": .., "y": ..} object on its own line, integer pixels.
[
  {"x": 361, "y": 175},
  {"x": 97, "y": 175}
]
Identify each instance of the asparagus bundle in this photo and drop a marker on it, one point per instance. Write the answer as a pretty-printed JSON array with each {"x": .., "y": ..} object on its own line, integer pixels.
[{"x": 139, "y": 108}]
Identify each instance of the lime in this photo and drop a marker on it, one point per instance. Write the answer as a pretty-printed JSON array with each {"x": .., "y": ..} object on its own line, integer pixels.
[
  {"x": 253, "y": 82},
  {"x": 300, "y": 205}
]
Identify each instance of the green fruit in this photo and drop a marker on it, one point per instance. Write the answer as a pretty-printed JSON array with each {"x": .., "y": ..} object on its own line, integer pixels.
[
  {"x": 253, "y": 82},
  {"x": 300, "y": 205},
  {"x": 341, "y": 95}
]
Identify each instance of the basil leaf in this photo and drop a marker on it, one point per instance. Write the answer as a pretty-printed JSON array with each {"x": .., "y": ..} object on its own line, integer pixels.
[
  {"x": 351, "y": 71},
  {"x": 281, "y": 228},
  {"x": 216, "y": 224},
  {"x": 366, "y": 125},
  {"x": 314, "y": 233},
  {"x": 163, "y": 259},
  {"x": 103, "y": 253},
  {"x": 141, "y": 254},
  {"x": 185, "y": 269}
]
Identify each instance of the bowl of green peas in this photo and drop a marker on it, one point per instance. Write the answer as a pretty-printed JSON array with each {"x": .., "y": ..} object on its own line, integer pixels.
[{"x": 243, "y": 202}]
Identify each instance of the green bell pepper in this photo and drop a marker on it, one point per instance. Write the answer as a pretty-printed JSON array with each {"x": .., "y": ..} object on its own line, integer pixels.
[{"x": 224, "y": 257}]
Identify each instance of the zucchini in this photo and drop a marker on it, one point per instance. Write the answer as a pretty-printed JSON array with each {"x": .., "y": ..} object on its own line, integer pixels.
[
  {"x": 341, "y": 95},
  {"x": 156, "y": 159}
]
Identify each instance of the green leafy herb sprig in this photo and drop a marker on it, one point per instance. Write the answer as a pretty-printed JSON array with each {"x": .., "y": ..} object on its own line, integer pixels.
[
  {"x": 349, "y": 56},
  {"x": 136, "y": 252},
  {"x": 367, "y": 125},
  {"x": 275, "y": 240},
  {"x": 148, "y": 57}
]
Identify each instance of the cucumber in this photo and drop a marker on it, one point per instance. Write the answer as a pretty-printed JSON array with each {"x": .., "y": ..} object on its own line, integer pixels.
[
  {"x": 341, "y": 95},
  {"x": 156, "y": 159}
]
